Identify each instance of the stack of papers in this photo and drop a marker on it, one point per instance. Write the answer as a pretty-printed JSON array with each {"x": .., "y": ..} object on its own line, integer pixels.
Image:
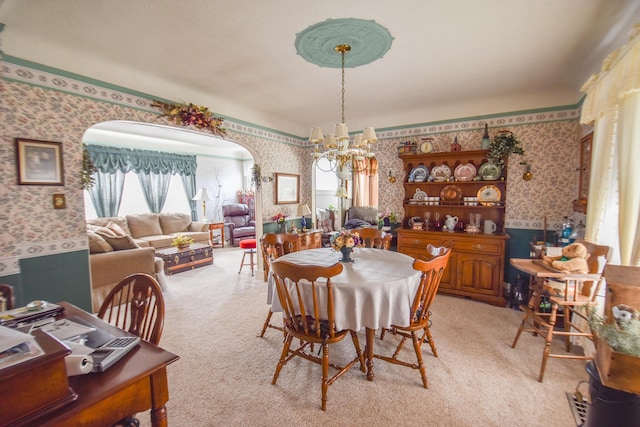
[{"x": 17, "y": 347}]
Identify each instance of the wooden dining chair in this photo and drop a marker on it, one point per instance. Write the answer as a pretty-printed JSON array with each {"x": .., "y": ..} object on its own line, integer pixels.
[
  {"x": 272, "y": 246},
  {"x": 577, "y": 292},
  {"x": 136, "y": 305},
  {"x": 7, "y": 301},
  {"x": 374, "y": 238},
  {"x": 308, "y": 308},
  {"x": 420, "y": 315}
]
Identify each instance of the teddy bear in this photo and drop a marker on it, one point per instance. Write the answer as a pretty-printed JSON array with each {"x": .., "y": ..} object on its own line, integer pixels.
[{"x": 573, "y": 259}]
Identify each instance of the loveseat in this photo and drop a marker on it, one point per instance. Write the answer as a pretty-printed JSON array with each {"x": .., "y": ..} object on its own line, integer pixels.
[
  {"x": 361, "y": 216},
  {"x": 123, "y": 245},
  {"x": 239, "y": 221}
]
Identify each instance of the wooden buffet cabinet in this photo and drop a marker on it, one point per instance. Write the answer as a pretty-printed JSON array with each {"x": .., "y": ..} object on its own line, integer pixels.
[{"x": 476, "y": 265}]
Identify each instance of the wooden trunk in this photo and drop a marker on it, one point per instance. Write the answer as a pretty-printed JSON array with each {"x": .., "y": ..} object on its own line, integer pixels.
[{"x": 176, "y": 261}]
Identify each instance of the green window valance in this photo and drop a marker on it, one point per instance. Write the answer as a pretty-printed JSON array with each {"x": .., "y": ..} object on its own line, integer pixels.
[{"x": 110, "y": 159}]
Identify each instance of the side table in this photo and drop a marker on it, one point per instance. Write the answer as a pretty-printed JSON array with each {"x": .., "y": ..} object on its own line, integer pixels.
[{"x": 216, "y": 226}]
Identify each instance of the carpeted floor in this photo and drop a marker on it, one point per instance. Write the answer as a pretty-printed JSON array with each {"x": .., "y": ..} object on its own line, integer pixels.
[{"x": 223, "y": 377}]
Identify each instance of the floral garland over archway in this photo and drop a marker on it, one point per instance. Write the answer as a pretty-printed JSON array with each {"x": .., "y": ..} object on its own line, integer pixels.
[{"x": 192, "y": 115}]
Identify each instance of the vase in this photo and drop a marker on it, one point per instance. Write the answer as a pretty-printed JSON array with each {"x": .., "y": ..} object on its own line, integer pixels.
[
  {"x": 346, "y": 254},
  {"x": 280, "y": 228},
  {"x": 386, "y": 221}
]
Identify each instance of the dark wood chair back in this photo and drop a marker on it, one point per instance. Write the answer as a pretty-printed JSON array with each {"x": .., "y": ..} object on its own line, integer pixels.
[
  {"x": 374, "y": 238},
  {"x": 7, "y": 301},
  {"x": 136, "y": 305}
]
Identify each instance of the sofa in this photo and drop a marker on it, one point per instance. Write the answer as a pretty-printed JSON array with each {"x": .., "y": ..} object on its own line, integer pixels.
[
  {"x": 361, "y": 216},
  {"x": 239, "y": 221},
  {"x": 123, "y": 245}
]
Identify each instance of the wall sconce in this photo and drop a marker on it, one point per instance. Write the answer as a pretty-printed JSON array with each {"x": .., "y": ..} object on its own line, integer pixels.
[
  {"x": 527, "y": 175},
  {"x": 267, "y": 178},
  {"x": 391, "y": 178}
]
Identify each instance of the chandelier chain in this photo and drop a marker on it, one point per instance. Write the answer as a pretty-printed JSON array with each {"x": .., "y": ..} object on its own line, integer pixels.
[{"x": 343, "y": 92}]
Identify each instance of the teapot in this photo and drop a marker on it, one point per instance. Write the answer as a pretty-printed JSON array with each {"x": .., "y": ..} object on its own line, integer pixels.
[{"x": 451, "y": 222}]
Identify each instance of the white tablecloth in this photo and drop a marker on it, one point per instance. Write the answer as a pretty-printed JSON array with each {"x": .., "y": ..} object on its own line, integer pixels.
[{"x": 374, "y": 291}]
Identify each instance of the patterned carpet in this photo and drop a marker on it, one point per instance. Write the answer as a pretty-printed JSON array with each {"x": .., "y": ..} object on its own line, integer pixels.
[{"x": 223, "y": 377}]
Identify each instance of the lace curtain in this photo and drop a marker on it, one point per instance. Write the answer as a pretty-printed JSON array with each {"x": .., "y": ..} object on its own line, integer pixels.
[{"x": 613, "y": 103}]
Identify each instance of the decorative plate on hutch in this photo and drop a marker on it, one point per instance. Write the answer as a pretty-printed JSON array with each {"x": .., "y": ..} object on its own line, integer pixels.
[
  {"x": 441, "y": 173},
  {"x": 489, "y": 195},
  {"x": 451, "y": 193},
  {"x": 419, "y": 173},
  {"x": 490, "y": 172},
  {"x": 420, "y": 195},
  {"x": 465, "y": 172}
]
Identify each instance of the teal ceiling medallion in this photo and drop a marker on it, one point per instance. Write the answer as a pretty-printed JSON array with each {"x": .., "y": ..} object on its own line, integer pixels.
[{"x": 369, "y": 41}]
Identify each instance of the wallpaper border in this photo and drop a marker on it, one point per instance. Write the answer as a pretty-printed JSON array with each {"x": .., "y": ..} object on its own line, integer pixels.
[{"x": 16, "y": 69}]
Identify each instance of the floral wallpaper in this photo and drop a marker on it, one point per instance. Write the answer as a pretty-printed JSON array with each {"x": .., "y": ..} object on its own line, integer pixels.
[{"x": 53, "y": 108}]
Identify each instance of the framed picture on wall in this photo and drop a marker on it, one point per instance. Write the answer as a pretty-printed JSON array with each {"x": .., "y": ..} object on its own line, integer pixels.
[
  {"x": 287, "y": 188},
  {"x": 39, "y": 162}
]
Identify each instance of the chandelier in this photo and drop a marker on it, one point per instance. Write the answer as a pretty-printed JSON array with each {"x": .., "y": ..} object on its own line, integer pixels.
[{"x": 344, "y": 156}]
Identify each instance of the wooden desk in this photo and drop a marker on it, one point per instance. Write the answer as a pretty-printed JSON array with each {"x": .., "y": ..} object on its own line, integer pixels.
[
  {"x": 216, "y": 226},
  {"x": 136, "y": 383}
]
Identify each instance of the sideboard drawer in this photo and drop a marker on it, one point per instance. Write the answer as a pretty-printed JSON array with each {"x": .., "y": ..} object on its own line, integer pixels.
[{"x": 478, "y": 246}]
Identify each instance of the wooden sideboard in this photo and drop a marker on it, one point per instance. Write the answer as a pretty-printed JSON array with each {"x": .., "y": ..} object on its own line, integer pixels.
[{"x": 476, "y": 266}]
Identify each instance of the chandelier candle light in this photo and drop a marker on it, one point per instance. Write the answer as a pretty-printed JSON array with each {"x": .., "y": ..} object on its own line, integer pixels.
[{"x": 336, "y": 147}]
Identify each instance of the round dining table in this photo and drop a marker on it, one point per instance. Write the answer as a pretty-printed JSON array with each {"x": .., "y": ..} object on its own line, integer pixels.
[{"x": 374, "y": 291}]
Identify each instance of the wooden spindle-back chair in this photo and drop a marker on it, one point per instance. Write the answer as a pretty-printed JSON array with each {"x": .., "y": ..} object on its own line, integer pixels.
[
  {"x": 136, "y": 305},
  {"x": 374, "y": 238},
  {"x": 576, "y": 293},
  {"x": 309, "y": 315},
  {"x": 420, "y": 319}
]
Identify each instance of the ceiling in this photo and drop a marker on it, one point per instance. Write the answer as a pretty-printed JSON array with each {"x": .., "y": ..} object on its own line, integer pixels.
[{"x": 448, "y": 59}]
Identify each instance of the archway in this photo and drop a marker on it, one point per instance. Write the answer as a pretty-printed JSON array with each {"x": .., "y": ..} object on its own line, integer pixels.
[{"x": 210, "y": 150}]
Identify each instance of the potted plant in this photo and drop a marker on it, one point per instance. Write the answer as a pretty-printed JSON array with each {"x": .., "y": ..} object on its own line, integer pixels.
[
  {"x": 181, "y": 242},
  {"x": 618, "y": 350},
  {"x": 504, "y": 144}
]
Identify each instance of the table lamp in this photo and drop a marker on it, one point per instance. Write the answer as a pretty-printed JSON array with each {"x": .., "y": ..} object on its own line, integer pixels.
[
  {"x": 303, "y": 209},
  {"x": 202, "y": 195}
]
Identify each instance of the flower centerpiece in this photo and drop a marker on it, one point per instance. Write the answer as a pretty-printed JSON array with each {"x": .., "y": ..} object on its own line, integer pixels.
[
  {"x": 279, "y": 219},
  {"x": 344, "y": 242},
  {"x": 192, "y": 115},
  {"x": 503, "y": 144},
  {"x": 181, "y": 242},
  {"x": 385, "y": 219}
]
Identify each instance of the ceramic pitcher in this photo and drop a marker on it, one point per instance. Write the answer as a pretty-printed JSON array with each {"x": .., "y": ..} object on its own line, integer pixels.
[
  {"x": 451, "y": 222},
  {"x": 489, "y": 226}
]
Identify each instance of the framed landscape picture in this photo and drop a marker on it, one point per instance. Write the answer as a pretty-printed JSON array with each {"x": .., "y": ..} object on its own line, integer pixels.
[
  {"x": 287, "y": 188},
  {"x": 39, "y": 162}
]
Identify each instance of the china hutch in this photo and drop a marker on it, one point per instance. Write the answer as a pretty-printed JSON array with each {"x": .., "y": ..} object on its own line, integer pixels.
[{"x": 462, "y": 184}]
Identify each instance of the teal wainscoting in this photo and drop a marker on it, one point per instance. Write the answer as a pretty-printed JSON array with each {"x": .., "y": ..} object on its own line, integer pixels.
[
  {"x": 270, "y": 227},
  {"x": 59, "y": 277},
  {"x": 518, "y": 247}
]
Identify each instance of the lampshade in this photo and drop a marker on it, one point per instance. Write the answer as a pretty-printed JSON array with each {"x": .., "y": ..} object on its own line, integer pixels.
[
  {"x": 303, "y": 209},
  {"x": 201, "y": 195},
  {"x": 316, "y": 135}
]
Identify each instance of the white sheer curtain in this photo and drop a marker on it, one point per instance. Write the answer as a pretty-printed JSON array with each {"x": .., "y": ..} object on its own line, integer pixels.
[
  {"x": 365, "y": 183},
  {"x": 613, "y": 103}
]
